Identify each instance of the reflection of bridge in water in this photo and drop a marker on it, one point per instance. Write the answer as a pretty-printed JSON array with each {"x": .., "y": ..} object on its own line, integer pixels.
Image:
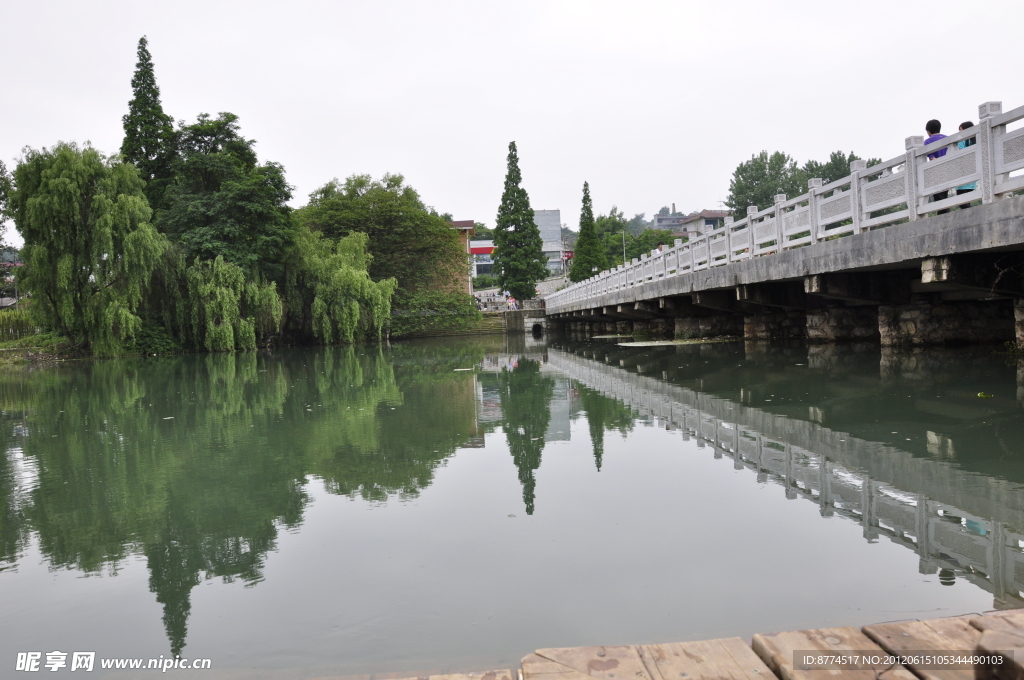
[{"x": 959, "y": 523}]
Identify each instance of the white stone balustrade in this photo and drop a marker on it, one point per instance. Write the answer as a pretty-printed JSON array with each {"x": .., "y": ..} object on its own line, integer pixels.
[{"x": 895, "y": 190}]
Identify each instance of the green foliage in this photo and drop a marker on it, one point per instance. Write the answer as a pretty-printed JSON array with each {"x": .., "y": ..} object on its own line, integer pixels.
[
  {"x": 89, "y": 248},
  {"x": 485, "y": 281},
  {"x": 757, "y": 181},
  {"x": 433, "y": 310},
  {"x": 609, "y": 229},
  {"x": 154, "y": 339},
  {"x": 6, "y": 187},
  {"x": 638, "y": 224},
  {"x": 230, "y": 311},
  {"x": 588, "y": 256},
  {"x": 481, "y": 232},
  {"x": 408, "y": 242},
  {"x": 647, "y": 241},
  {"x": 519, "y": 260},
  {"x": 16, "y": 324},
  {"x": 223, "y": 202},
  {"x": 330, "y": 293},
  {"x": 149, "y": 141},
  {"x": 46, "y": 341}
]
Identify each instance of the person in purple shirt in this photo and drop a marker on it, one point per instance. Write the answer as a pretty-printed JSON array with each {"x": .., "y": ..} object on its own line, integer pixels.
[{"x": 933, "y": 127}]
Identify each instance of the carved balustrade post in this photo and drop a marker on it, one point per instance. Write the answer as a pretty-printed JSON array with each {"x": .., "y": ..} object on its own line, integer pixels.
[
  {"x": 857, "y": 168},
  {"x": 987, "y": 139},
  {"x": 813, "y": 184},
  {"x": 780, "y": 236},
  {"x": 728, "y": 237},
  {"x": 913, "y": 200}
]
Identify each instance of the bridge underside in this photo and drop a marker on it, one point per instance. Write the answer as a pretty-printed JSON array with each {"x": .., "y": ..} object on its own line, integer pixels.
[{"x": 946, "y": 279}]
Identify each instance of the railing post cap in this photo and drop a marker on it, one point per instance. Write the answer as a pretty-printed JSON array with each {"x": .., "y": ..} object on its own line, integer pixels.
[
  {"x": 989, "y": 109},
  {"x": 729, "y": 219},
  {"x": 913, "y": 142},
  {"x": 679, "y": 242},
  {"x": 751, "y": 209},
  {"x": 780, "y": 198},
  {"x": 858, "y": 165},
  {"x": 634, "y": 260},
  {"x": 814, "y": 183}
]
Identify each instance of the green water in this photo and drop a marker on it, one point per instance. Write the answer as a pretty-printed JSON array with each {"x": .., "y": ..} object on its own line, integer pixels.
[{"x": 453, "y": 505}]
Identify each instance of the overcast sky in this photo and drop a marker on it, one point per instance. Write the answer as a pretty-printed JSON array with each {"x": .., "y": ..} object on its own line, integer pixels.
[{"x": 651, "y": 102}]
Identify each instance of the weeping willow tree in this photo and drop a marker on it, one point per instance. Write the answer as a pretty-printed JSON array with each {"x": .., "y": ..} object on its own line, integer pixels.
[
  {"x": 331, "y": 296},
  {"x": 89, "y": 248},
  {"x": 228, "y": 309}
]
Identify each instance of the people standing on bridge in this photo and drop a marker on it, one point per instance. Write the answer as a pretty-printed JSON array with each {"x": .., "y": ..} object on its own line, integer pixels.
[
  {"x": 963, "y": 144},
  {"x": 933, "y": 127}
]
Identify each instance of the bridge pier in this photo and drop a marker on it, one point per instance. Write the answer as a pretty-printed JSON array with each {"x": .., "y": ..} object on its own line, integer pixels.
[
  {"x": 1018, "y": 315},
  {"x": 942, "y": 322},
  {"x": 773, "y": 325},
  {"x": 833, "y": 324},
  {"x": 709, "y": 326}
]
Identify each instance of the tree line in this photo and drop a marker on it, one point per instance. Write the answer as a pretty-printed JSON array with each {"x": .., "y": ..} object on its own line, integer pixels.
[
  {"x": 185, "y": 241},
  {"x": 609, "y": 240}
]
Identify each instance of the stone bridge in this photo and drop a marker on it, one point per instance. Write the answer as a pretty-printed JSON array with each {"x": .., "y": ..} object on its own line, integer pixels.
[
  {"x": 967, "y": 523},
  {"x": 878, "y": 255}
]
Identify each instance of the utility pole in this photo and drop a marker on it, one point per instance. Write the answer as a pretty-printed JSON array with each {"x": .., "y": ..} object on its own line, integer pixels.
[{"x": 623, "y": 247}]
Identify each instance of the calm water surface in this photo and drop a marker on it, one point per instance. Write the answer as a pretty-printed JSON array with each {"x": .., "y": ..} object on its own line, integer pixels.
[{"x": 441, "y": 506}]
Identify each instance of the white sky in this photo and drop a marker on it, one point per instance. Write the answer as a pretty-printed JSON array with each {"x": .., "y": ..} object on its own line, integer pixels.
[{"x": 651, "y": 102}]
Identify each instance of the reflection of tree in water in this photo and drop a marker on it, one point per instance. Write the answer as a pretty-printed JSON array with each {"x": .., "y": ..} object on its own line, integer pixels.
[
  {"x": 196, "y": 462},
  {"x": 526, "y": 406},
  {"x": 603, "y": 413},
  {"x": 13, "y": 531}
]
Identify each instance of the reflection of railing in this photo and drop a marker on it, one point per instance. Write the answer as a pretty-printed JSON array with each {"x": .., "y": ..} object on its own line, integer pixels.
[
  {"x": 802, "y": 457},
  {"x": 897, "y": 189}
]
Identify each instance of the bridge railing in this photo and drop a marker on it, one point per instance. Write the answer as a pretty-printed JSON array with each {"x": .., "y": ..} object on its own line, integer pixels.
[{"x": 903, "y": 188}]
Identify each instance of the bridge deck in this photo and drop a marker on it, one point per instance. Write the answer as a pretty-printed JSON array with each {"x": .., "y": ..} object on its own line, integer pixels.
[{"x": 985, "y": 228}]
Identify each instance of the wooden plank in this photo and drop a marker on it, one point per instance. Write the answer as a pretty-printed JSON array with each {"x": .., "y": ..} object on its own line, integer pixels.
[
  {"x": 621, "y": 662},
  {"x": 536, "y": 667},
  {"x": 723, "y": 659},
  {"x": 1010, "y": 621},
  {"x": 504, "y": 674},
  {"x": 776, "y": 650},
  {"x": 948, "y": 634},
  {"x": 1006, "y": 644}
]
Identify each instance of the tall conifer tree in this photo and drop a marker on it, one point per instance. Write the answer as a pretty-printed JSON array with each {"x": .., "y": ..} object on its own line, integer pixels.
[
  {"x": 589, "y": 252},
  {"x": 519, "y": 259},
  {"x": 148, "y": 132}
]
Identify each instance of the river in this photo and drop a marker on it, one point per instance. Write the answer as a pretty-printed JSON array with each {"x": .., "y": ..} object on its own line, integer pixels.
[{"x": 451, "y": 505}]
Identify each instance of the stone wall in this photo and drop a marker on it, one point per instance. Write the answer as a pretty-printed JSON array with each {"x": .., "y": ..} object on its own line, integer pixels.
[
  {"x": 946, "y": 322},
  {"x": 1018, "y": 313},
  {"x": 831, "y": 324},
  {"x": 713, "y": 326},
  {"x": 780, "y": 325}
]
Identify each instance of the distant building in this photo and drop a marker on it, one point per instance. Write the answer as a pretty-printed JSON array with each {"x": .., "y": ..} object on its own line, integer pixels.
[
  {"x": 483, "y": 257},
  {"x": 698, "y": 223},
  {"x": 550, "y": 224},
  {"x": 466, "y": 229}
]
